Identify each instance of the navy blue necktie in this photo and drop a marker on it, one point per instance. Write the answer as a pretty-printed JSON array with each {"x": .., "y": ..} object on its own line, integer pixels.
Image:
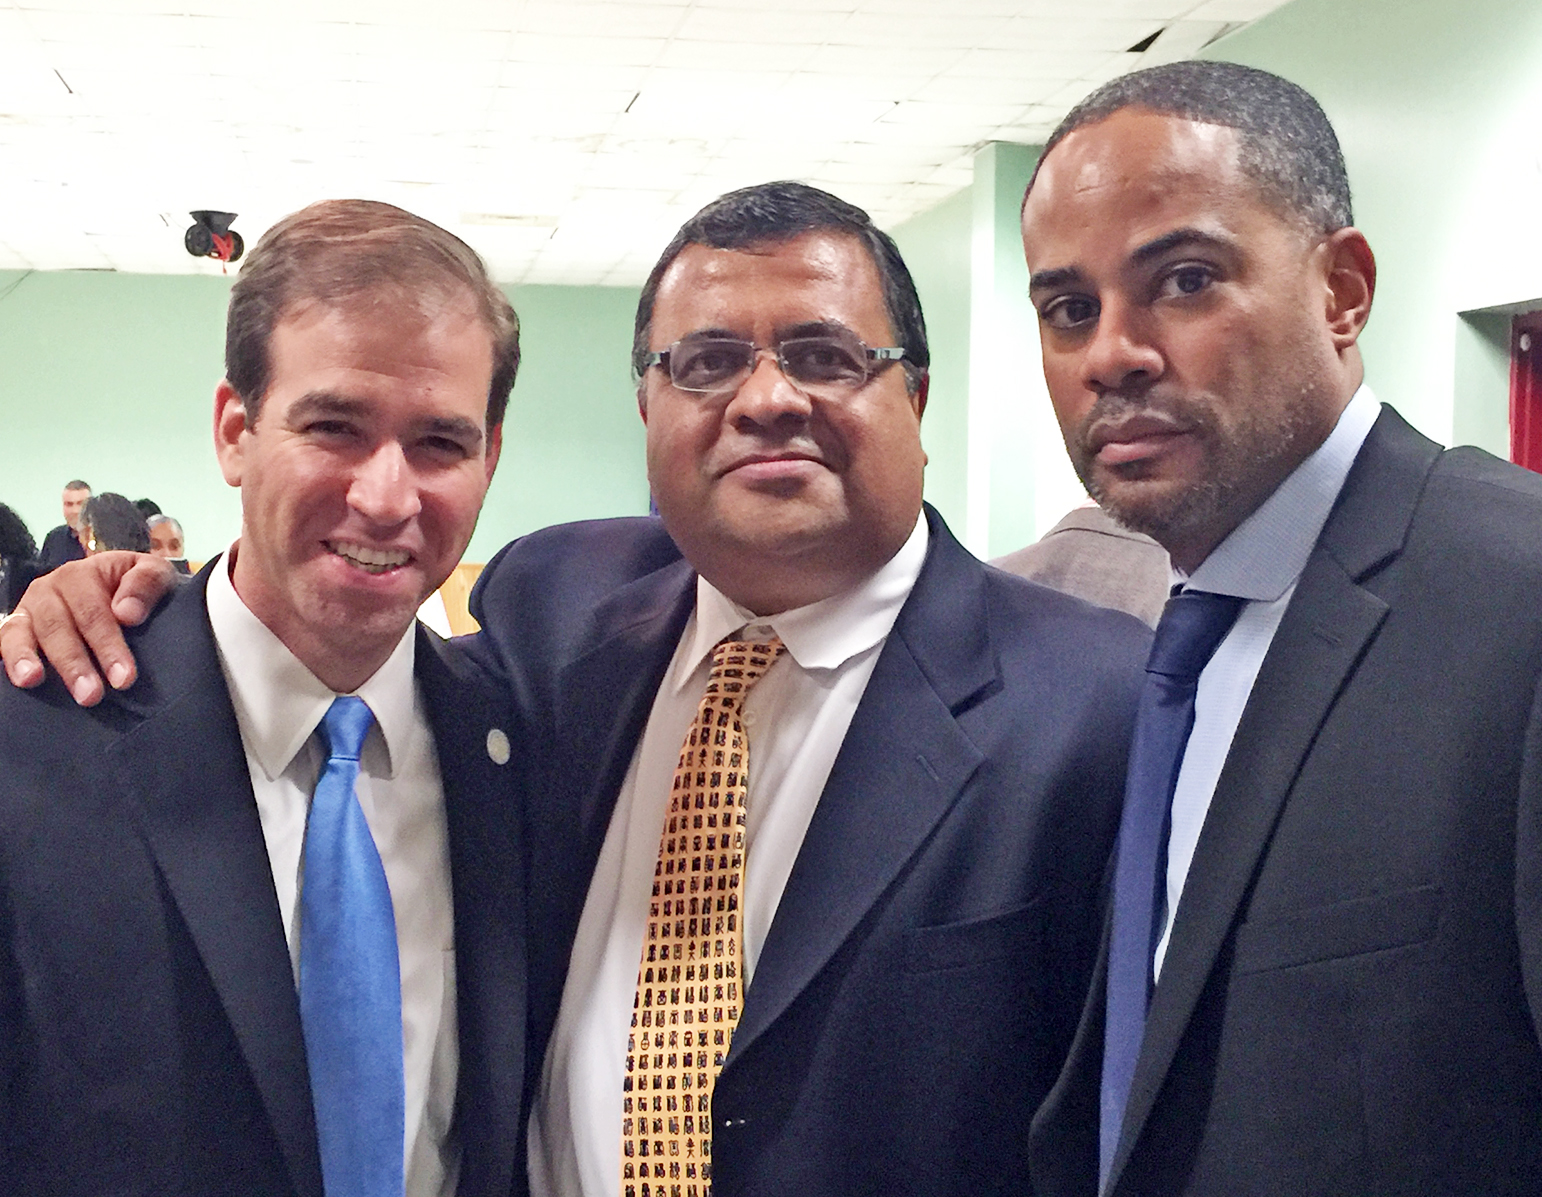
[
  {"x": 350, "y": 980},
  {"x": 1193, "y": 623}
]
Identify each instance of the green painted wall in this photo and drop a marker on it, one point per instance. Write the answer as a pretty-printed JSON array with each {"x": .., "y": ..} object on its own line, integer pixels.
[
  {"x": 110, "y": 377},
  {"x": 998, "y": 469},
  {"x": 1438, "y": 105}
]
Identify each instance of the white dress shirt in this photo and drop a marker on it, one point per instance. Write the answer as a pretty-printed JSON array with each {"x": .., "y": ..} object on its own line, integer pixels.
[
  {"x": 796, "y": 719},
  {"x": 1260, "y": 561},
  {"x": 279, "y": 703}
]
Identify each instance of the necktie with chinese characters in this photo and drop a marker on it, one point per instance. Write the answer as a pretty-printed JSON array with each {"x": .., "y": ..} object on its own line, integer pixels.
[
  {"x": 690, "y": 979},
  {"x": 1192, "y": 626},
  {"x": 350, "y": 979}
]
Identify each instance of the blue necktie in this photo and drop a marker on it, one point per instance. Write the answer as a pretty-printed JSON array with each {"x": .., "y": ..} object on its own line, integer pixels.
[
  {"x": 350, "y": 981},
  {"x": 1193, "y": 623}
]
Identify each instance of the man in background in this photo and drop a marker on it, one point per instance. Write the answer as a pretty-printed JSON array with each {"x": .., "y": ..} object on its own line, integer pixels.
[
  {"x": 63, "y": 543},
  {"x": 1324, "y": 964},
  {"x": 1093, "y": 556}
]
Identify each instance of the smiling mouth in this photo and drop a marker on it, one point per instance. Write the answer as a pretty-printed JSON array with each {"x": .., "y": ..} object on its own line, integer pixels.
[{"x": 372, "y": 561}]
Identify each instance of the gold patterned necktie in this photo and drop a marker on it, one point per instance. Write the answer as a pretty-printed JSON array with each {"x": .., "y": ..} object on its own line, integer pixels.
[{"x": 689, "y": 983}]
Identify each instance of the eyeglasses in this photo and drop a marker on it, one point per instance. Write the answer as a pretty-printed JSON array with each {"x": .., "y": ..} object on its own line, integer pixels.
[{"x": 829, "y": 366}]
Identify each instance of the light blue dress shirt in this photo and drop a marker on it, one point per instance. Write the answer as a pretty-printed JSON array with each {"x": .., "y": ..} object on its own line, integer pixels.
[{"x": 1260, "y": 561}]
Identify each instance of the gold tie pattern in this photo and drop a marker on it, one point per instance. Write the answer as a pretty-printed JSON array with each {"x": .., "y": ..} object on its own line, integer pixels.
[{"x": 689, "y": 981}]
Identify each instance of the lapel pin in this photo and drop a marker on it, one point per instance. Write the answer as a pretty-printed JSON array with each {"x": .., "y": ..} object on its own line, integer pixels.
[{"x": 498, "y": 746}]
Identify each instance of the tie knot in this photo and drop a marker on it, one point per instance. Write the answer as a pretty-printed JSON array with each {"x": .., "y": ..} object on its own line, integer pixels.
[
  {"x": 1193, "y": 623},
  {"x": 344, "y": 726},
  {"x": 739, "y": 664}
]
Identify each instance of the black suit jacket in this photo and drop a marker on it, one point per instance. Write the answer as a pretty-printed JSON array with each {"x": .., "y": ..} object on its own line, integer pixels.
[
  {"x": 149, "y": 1028},
  {"x": 1349, "y": 1000},
  {"x": 60, "y": 545},
  {"x": 925, "y": 968}
]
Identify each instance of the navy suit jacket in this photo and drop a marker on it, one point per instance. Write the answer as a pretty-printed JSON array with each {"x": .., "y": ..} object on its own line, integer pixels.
[
  {"x": 925, "y": 969},
  {"x": 1349, "y": 1002},
  {"x": 149, "y": 1027}
]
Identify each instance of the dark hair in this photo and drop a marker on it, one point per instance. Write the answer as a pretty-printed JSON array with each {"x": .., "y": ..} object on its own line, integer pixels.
[
  {"x": 339, "y": 250},
  {"x": 147, "y": 507},
  {"x": 1286, "y": 145},
  {"x": 77, "y": 484},
  {"x": 771, "y": 213},
  {"x": 16, "y": 543},
  {"x": 115, "y": 523}
]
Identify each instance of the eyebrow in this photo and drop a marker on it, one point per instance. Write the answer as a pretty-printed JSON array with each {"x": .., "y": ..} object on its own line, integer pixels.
[
  {"x": 330, "y": 403},
  {"x": 1178, "y": 239},
  {"x": 1066, "y": 276},
  {"x": 808, "y": 328}
]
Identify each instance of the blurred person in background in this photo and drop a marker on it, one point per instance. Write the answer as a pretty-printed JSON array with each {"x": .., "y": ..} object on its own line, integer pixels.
[
  {"x": 110, "y": 521},
  {"x": 18, "y": 558},
  {"x": 62, "y": 544},
  {"x": 166, "y": 541}
]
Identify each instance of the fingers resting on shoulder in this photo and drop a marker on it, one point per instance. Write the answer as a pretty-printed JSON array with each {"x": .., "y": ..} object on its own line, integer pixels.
[{"x": 73, "y": 619}]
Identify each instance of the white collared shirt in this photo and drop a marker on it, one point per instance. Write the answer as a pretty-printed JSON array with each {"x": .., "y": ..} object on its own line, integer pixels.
[
  {"x": 796, "y": 719},
  {"x": 1260, "y": 561},
  {"x": 278, "y": 704}
]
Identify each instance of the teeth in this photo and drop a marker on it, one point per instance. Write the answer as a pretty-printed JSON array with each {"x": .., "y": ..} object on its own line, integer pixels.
[{"x": 375, "y": 561}]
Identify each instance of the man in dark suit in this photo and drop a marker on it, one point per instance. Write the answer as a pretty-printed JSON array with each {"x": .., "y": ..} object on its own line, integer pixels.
[
  {"x": 63, "y": 543},
  {"x": 1339, "y": 992},
  {"x": 934, "y": 761},
  {"x": 155, "y": 916}
]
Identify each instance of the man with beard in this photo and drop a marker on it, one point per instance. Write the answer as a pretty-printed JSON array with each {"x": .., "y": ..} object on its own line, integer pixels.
[{"x": 1323, "y": 971}]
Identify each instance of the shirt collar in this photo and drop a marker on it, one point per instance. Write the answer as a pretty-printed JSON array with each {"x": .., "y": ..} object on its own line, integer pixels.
[
  {"x": 1265, "y": 553},
  {"x": 279, "y": 701},
  {"x": 822, "y": 635}
]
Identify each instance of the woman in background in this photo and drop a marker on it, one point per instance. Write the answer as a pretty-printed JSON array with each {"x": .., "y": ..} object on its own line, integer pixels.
[{"x": 18, "y": 558}]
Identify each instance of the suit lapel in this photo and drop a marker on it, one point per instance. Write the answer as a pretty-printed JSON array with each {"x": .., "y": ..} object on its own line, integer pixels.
[
  {"x": 481, "y": 796},
  {"x": 602, "y": 704},
  {"x": 903, "y": 762},
  {"x": 185, "y": 773},
  {"x": 1331, "y": 621}
]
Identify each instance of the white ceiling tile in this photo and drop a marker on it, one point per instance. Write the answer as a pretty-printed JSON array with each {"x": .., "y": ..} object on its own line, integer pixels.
[{"x": 486, "y": 109}]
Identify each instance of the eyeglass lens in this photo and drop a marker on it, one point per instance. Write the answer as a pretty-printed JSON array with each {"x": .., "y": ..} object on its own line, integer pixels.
[{"x": 831, "y": 362}]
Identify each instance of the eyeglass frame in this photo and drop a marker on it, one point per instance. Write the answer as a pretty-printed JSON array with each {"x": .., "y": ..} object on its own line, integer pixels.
[{"x": 877, "y": 358}]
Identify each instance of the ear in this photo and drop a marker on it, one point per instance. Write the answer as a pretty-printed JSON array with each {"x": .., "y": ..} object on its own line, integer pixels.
[
  {"x": 494, "y": 449},
  {"x": 1350, "y": 274},
  {"x": 230, "y": 424},
  {"x": 918, "y": 400},
  {"x": 642, "y": 401}
]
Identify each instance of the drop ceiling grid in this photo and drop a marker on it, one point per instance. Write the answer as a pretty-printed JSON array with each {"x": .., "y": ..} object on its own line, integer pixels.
[{"x": 566, "y": 139}]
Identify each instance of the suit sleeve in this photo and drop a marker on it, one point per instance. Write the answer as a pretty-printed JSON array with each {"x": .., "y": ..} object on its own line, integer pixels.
[{"x": 1528, "y": 864}]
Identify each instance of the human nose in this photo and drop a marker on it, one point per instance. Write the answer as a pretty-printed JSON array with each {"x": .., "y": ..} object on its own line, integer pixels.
[
  {"x": 1120, "y": 356},
  {"x": 767, "y": 396},
  {"x": 384, "y": 488}
]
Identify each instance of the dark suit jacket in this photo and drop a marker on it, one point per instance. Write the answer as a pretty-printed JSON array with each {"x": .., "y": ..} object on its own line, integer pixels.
[
  {"x": 1349, "y": 1000},
  {"x": 149, "y": 1028},
  {"x": 60, "y": 545},
  {"x": 925, "y": 969}
]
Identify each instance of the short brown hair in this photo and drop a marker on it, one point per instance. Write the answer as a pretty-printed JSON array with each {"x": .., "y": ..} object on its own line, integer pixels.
[{"x": 336, "y": 250}]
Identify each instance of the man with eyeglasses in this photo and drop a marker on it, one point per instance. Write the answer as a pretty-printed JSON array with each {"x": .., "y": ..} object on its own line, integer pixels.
[
  {"x": 935, "y": 756},
  {"x": 858, "y": 969}
]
